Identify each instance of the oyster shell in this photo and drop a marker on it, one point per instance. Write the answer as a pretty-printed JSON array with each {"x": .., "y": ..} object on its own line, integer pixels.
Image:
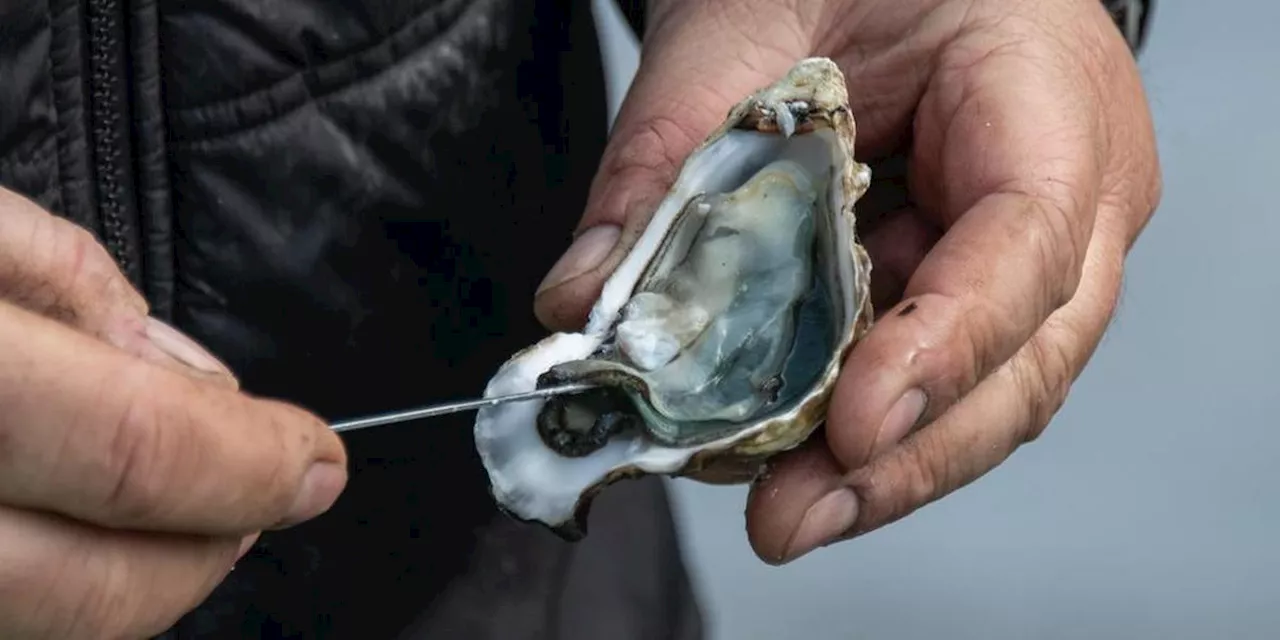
[{"x": 716, "y": 342}]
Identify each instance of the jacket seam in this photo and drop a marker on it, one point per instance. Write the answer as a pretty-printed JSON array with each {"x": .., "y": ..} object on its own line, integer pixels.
[{"x": 150, "y": 163}]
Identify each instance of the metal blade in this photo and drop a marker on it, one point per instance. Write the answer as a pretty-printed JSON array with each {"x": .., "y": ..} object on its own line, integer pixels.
[{"x": 454, "y": 407}]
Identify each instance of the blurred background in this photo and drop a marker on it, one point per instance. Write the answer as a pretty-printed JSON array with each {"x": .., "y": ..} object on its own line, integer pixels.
[{"x": 1148, "y": 509}]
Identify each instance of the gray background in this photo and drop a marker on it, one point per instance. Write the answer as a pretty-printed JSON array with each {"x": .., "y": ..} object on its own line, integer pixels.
[{"x": 1147, "y": 510}]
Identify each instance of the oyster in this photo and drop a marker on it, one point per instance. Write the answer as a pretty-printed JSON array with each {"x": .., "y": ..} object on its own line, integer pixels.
[{"x": 716, "y": 342}]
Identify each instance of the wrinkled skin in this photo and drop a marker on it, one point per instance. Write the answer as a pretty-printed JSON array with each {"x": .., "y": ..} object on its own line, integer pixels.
[
  {"x": 1031, "y": 170},
  {"x": 133, "y": 473}
]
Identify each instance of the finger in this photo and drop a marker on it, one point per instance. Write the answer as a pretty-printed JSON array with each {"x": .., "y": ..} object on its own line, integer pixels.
[
  {"x": 809, "y": 499},
  {"x": 95, "y": 434},
  {"x": 1027, "y": 189},
  {"x": 897, "y": 246},
  {"x": 59, "y": 270},
  {"x": 698, "y": 60},
  {"x": 802, "y": 490},
  {"x": 62, "y": 579},
  {"x": 158, "y": 343}
]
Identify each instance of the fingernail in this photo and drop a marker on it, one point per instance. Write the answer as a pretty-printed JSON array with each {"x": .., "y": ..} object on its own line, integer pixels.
[
  {"x": 586, "y": 253},
  {"x": 245, "y": 545},
  {"x": 902, "y": 416},
  {"x": 183, "y": 349},
  {"x": 829, "y": 517},
  {"x": 320, "y": 489}
]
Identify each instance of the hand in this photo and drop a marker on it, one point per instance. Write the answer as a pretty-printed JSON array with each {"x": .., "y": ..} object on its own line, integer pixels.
[
  {"x": 1031, "y": 170},
  {"x": 133, "y": 473}
]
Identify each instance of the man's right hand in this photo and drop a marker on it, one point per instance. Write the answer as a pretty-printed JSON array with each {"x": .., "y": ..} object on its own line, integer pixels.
[{"x": 133, "y": 472}]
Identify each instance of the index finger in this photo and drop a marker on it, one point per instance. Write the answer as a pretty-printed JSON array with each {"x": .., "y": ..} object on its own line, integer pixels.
[
  {"x": 57, "y": 269},
  {"x": 1007, "y": 154},
  {"x": 93, "y": 433}
]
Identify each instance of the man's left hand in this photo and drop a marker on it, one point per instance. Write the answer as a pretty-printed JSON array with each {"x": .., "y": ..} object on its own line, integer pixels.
[{"x": 1031, "y": 167}]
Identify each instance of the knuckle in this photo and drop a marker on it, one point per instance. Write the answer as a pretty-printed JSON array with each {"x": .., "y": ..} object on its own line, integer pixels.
[
  {"x": 59, "y": 269},
  {"x": 78, "y": 252},
  {"x": 80, "y": 592},
  {"x": 93, "y": 270},
  {"x": 1107, "y": 301},
  {"x": 1058, "y": 246},
  {"x": 30, "y": 600},
  {"x": 1154, "y": 190},
  {"x": 641, "y": 162},
  {"x": 1046, "y": 381},
  {"x": 927, "y": 467},
  {"x": 1133, "y": 185},
  {"x": 988, "y": 327},
  {"x": 664, "y": 127},
  {"x": 657, "y": 146},
  {"x": 894, "y": 486},
  {"x": 83, "y": 244},
  {"x": 133, "y": 483},
  {"x": 140, "y": 459},
  {"x": 117, "y": 597},
  {"x": 967, "y": 350},
  {"x": 1150, "y": 195},
  {"x": 941, "y": 339}
]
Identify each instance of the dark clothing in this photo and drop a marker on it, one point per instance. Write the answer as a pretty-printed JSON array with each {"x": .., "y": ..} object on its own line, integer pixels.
[{"x": 352, "y": 204}]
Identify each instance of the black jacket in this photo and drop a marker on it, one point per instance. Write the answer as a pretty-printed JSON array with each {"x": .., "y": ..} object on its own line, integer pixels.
[{"x": 351, "y": 203}]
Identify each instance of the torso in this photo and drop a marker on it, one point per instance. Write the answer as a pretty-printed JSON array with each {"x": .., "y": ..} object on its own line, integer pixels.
[{"x": 352, "y": 204}]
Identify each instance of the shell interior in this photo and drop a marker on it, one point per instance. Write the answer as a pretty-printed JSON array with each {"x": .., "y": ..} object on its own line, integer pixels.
[{"x": 727, "y": 318}]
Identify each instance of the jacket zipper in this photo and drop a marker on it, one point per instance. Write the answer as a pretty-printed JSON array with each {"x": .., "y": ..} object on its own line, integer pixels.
[{"x": 108, "y": 118}]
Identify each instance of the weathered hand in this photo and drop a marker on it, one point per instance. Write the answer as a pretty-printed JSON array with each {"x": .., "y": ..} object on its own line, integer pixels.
[
  {"x": 133, "y": 473},
  {"x": 1031, "y": 170}
]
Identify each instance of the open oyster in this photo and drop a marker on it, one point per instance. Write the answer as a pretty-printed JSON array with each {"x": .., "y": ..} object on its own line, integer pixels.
[{"x": 716, "y": 342}]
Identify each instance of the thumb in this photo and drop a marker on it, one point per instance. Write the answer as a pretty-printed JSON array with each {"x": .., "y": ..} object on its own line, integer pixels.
[{"x": 695, "y": 65}]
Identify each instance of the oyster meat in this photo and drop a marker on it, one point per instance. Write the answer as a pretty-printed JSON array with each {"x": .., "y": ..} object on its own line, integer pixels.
[{"x": 716, "y": 342}]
